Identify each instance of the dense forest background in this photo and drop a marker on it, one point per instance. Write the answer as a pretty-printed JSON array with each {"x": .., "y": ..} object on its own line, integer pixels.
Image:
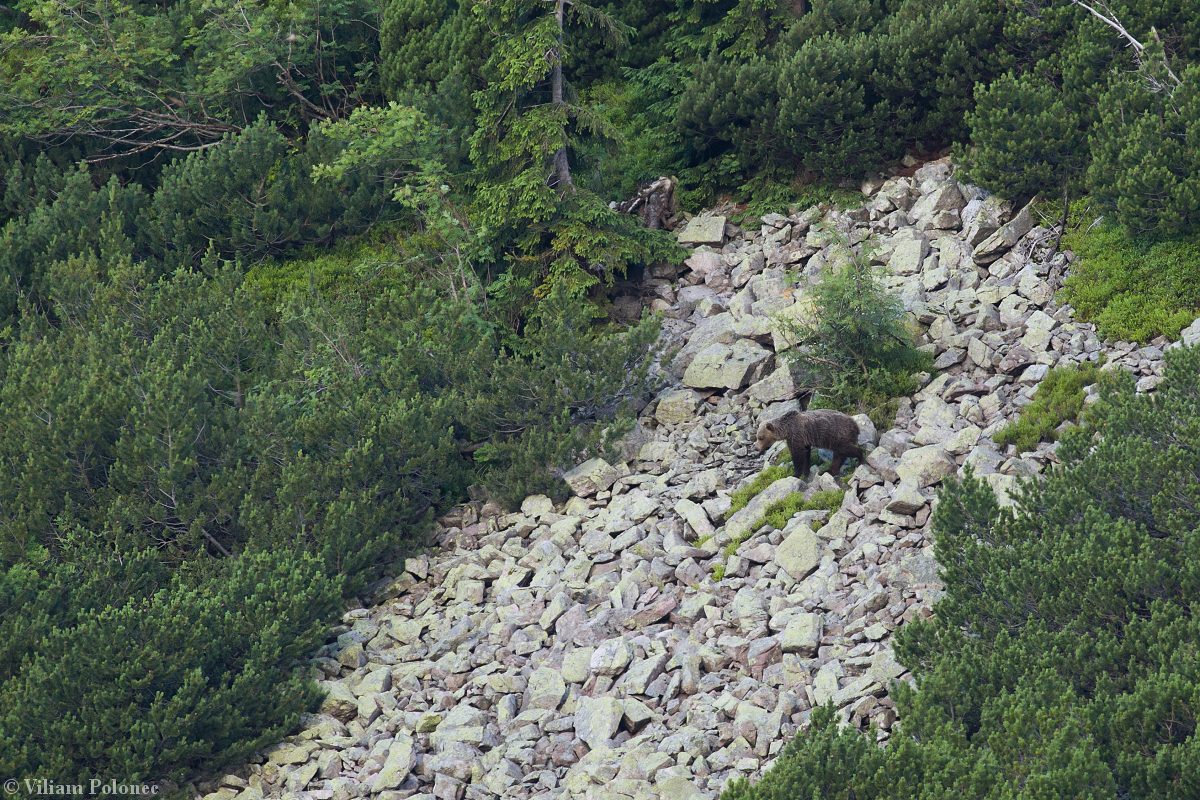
[{"x": 279, "y": 282}]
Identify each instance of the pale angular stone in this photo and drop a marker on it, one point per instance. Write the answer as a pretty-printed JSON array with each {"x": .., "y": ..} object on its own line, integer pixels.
[
  {"x": 722, "y": 366},
  {"x": 677, "y": 407},
  {"x": 703, "y": 229},
  {"x": 695, "y": 517},
  {"x": 593, "y": 475},
  {"x": 678, "y": 788},
  {"x": 1038, "y": 329},
  {"x": 611, "y": 657},
  {"x": 906, "y": 500},
  {"x": 980, "y": 353},
  {"x": 802, "y": 634},
  {"x": 938, "y": 209},
  {"x": 908, "y": 255},
  {"x": 983, "y": 218},
  {"x": 774, "y": 388},
  {"x": 576, "y": 665},
  {"x": 867, "y": 435},
  {"x": 397, "y": 766},
  {"x": 1005, "y": 237},
  {"x": 800, "y": 552},
  {"x": 705, "y": 262},
  {"x": 546, "y": 689},
  {"x": 597, "y": 720},
  {"x": 925, "y": 466}
]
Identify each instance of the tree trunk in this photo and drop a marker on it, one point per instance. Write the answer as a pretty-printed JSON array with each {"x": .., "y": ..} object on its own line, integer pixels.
[
  {"x": 562, "y": 166},
  {"x": 1062, "y": 225}
]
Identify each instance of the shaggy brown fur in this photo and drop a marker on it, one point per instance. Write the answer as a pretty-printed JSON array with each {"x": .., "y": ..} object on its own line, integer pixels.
[{"x": 804, "y": 430}]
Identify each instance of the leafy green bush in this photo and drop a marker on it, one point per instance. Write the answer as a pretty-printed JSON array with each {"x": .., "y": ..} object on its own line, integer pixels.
[
  {"x": 1061, "y": 661},
  {"x": 1144, "y": 164},
  {"x": 254, "y": 197},
  {"x": 1133, "y": 287},
  {"x": 830, "y": 112},
  {"x": 1059, "y": 399},
  {"x": 855, "y": 352},
  {"x": 1026, "y": 137},
  {"x": 152, "y": 685}
]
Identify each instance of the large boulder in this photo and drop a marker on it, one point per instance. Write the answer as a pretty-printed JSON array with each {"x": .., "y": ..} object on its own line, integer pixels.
[
  {"x": 593, "y": 475},
  {"x": 695, "y": 516},
  {"x": 908, "y": 254},
  {"x": 397, "y": 765},
  {"x": 939, "y": 209},
  {"x": 723, "y": 366},
  {"x": 677, "y": 406},
  {"x": 704, "y": 229},
  {"x": 776, "y": 387},
  {"x": 1005, "y": 237},
  {"x": 925, "y": 466},
  {"x": 710, "y": 330},
  {"x": 983, "y": 217},
  {"x": 800, "y": 553},
  {"x": 802, "y": 634},
  {"x": 705, "y": 263},
  {"x": 546, "y": 689},
  {"x": 597, "y": 720}
]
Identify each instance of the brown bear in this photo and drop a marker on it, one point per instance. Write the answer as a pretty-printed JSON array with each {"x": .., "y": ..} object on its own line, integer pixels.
[{"x": 804, "y": 430}]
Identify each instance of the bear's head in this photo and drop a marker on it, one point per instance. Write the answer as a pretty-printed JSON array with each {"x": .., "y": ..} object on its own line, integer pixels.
[{"x": 768, "y": 434}]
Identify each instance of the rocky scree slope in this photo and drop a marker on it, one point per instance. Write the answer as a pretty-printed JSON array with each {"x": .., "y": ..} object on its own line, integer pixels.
[{"x": 586, "y": 650}]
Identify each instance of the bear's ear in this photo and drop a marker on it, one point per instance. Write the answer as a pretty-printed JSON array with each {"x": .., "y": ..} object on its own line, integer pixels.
[{"x": 770, "y": 428}]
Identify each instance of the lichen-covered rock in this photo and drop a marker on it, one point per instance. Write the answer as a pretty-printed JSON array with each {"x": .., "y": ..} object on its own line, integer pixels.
[
  {"x": 800, "y": 552},
  {"x": 593, "y": 475},
  {"x": 703, "y": 229},
  {"x": 722, "y": 366}
]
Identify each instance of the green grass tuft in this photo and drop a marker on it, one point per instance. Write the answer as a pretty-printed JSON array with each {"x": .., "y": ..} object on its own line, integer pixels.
[
  {"x": 1059, "y": 399},
  {"x": 742, "y": 497},
  {"x": 778, "y": 514}
]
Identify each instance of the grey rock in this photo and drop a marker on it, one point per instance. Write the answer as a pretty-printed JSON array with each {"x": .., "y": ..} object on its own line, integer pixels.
[
  {"x": 1005, "y": 237},
  {"x": 800, "y": 552},
  {"x": 703, "y": 229},
  {"x": 726, "y": 366},
  {"x": 593, "y": 475}
]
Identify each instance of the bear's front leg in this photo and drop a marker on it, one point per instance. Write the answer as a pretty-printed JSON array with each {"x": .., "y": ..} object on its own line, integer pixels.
[{"x": 800, "y": 460}]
